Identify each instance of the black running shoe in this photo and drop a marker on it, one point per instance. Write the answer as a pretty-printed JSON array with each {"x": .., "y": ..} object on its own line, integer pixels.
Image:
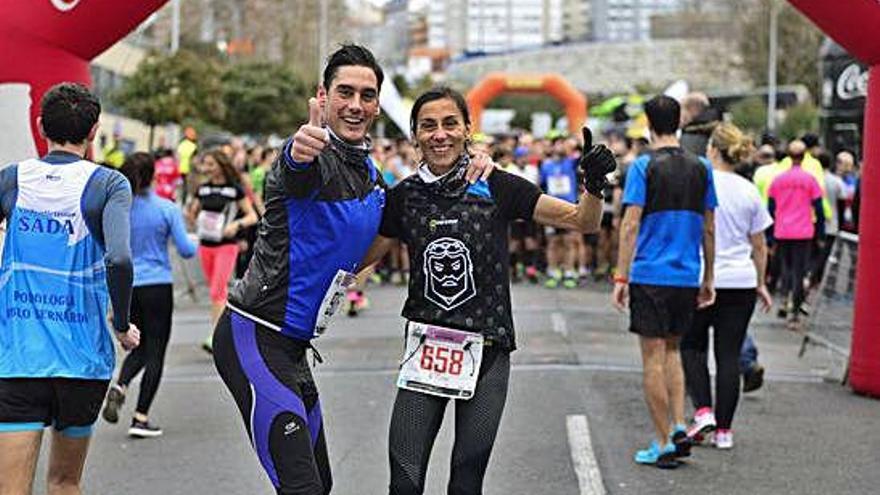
[
  {"x": 753, "y": 379},
  {"x": 668, "y": 462},
  {"x": 682, "y": 444},
  {"x": 143, "y": 429},
  {"x": 115, "y": 399}
]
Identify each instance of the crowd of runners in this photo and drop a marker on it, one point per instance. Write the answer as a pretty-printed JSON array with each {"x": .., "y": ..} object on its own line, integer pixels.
[{"x": 690, "y": 224}]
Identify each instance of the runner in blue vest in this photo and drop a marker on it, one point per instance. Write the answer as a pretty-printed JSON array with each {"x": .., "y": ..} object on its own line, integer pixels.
[
  {"x": 66, "y": 253},
  {"x": 670, "y": 202}
]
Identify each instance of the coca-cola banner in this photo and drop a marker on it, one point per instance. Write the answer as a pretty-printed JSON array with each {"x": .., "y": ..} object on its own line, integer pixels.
[{"x": 844, "y": 84}]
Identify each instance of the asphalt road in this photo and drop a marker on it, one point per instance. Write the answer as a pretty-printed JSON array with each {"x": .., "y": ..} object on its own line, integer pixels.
[{"x": 574, "y": 415}]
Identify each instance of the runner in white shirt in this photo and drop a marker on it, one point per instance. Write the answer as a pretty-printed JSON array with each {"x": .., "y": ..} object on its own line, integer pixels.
[{"x": 740, "y": 261}]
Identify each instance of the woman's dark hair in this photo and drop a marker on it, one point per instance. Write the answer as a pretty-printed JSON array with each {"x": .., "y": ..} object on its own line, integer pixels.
[
  {"x": 139, "y": 168},
  {"x": 225, "y": 164},
  {"x": 434, "y": 94}
]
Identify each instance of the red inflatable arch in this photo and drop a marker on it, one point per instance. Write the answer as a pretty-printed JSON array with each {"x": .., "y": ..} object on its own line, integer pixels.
[
  {"x": 45, "y": 42},
  {"x": 855, "y": 25},
  {"x": 495, "y": 83}
]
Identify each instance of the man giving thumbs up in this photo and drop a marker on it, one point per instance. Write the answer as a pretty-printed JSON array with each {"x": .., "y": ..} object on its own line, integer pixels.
[{"x": 324, "y": 200}]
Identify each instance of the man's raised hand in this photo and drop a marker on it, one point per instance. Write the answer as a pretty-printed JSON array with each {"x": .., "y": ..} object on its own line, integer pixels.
[{"x": 311, "y": 138}]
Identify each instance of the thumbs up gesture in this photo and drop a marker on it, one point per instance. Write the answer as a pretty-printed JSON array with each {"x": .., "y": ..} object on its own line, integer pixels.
[
  {"x": 311, "y": 138},
  {"x": 596, "y": 162}
]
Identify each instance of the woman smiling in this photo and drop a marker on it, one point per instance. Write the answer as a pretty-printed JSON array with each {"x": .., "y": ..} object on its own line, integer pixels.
[{"x": 459, "y": 331}]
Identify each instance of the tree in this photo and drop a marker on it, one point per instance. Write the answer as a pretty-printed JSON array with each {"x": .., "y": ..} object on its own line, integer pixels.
[
  {"x": 750, "y": 114},
  {"x": 798, "y": 48},
  {"x": 799, "y": 119},
  {"x": 262, "y": 98},
  {"x": 172, "y": 88}
]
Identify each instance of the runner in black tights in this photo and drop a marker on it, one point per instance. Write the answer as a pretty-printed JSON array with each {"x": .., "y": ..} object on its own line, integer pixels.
[
  {"x": 459, "y": 278},
  {"x": 154, "y": 221},
  {"x": 740, "y": 264}
]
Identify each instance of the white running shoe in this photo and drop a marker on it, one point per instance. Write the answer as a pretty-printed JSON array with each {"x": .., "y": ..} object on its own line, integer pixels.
[
  {"x": 724, "y": 439},
  {"x": 704, "y": 422}
]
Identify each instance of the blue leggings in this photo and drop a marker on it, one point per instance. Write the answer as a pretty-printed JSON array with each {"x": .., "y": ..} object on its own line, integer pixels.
[{"x": 269, "y": 377}]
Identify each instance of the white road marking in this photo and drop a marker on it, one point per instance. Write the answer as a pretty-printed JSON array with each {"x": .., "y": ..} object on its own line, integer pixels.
[
  {"x": 559, "y": 325},
  {"x": 585, "y": 466}
]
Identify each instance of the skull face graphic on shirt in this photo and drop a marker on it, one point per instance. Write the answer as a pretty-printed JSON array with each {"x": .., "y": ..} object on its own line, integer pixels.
[{"x": 448, "y": 270}]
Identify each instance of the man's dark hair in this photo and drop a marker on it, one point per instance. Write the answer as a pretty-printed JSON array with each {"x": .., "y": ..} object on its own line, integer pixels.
[
  {"x": 163, "y": 153},
  {"x": 664, "y": 115},
  {"x": 810, "y": 139},
  {"x": 139, "y": 169},
  {"x": 825, "y": 159},
  {"x": 438, "y": 93},
  {"x": 501, "y": 155},
  {"x": 768, "y": 137},
  {"x": 69, "y": 111},
  {"x": 351, "y": 55}
]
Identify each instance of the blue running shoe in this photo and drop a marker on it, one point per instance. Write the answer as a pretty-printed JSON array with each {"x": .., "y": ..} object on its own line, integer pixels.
[{"x": 662, "y": 458}]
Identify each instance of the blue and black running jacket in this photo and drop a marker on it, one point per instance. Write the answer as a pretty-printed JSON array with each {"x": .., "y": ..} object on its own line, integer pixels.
[{"x": 320, "y": 218}]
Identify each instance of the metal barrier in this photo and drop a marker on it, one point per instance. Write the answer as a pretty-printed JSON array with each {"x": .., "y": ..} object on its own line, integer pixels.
[{"x": 831, "y": 319}]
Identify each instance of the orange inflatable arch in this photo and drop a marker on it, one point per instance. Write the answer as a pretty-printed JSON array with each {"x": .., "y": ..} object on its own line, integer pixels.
[{"x": 496, "y": 83}]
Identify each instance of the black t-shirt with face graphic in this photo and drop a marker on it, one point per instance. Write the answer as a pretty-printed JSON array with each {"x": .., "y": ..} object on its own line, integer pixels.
[{"x": 457, "y": 239}]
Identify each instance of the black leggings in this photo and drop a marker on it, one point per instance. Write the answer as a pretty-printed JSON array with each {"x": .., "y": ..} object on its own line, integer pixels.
[
  {"x": 795, "y": 264},
  {"x": 151, "y": 307},
  {"x": 820, "y": 258},
  {"x": 417, "y": 418},
  {"x": 729, "y": 316},
  {"x": 271, "y": 382}
]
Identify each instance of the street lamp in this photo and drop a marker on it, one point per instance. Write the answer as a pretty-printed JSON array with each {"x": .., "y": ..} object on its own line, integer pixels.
[
  {"x": 322, "y": 35},
  {"x": 771, "y": 69},
  {"x": 175, "y": 26}
]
